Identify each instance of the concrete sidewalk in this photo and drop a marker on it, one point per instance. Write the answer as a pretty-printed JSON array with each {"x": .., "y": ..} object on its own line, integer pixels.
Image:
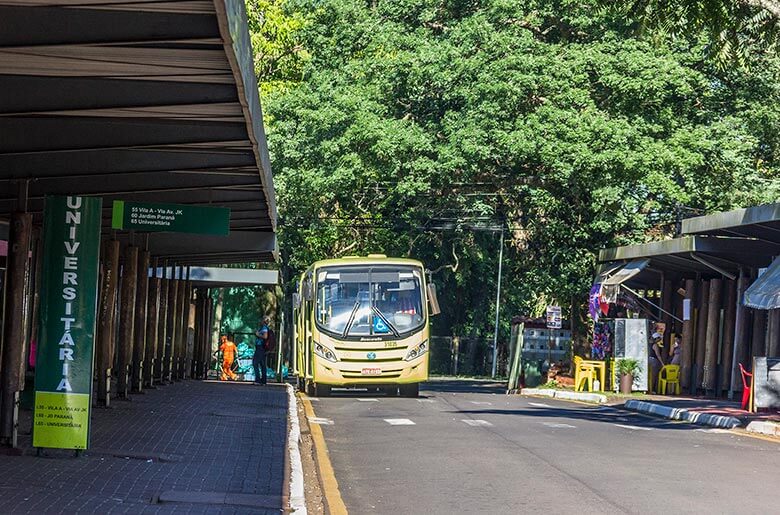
[{"x": 190, "y": 447}]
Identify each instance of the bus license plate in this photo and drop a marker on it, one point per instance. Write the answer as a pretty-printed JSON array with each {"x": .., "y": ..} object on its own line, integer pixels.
[{"x": 371, "y": 372}]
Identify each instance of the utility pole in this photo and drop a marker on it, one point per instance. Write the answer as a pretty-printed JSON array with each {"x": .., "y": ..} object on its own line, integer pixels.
[{"x": 498, "y": 301}]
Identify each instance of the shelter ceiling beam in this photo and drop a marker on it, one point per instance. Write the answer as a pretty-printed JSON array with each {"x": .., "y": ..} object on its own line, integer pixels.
[
  {"x": 74, "y": 93},
  {"x": 85, "y": 133},
  {"x": 57, "y": 26}
]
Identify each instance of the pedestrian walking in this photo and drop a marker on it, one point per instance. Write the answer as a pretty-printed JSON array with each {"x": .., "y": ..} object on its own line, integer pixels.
[{"x": 228, "y": 349}]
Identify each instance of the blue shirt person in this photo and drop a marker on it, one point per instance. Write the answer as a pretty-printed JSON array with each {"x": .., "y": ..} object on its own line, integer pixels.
[{"x": 258, "y": 360}]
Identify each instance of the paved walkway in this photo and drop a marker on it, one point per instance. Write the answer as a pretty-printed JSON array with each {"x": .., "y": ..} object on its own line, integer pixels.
[{"x": 190, "y": 447}]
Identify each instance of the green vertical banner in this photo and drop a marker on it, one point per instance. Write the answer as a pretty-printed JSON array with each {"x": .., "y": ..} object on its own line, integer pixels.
[{"x": 65, "y": 349}]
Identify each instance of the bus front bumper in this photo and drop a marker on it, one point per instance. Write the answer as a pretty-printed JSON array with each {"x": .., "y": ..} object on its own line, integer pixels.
[{"x": 367, "y": 373}]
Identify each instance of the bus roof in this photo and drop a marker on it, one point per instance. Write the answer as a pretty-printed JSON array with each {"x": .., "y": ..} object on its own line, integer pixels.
[{"x": 372, "y": 259}]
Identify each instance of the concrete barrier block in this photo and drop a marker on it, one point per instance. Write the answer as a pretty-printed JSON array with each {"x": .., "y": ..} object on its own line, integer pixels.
[
  {"x": 764, "y": 428},
  {"x": 541, "y": 392},
  {"x": 581, "y": 396}
]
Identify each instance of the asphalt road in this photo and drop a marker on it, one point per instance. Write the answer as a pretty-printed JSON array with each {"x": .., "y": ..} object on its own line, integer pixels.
[{"x": 465, "y": 447}]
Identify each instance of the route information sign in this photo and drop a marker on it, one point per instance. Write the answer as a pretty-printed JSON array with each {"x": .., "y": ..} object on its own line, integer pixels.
[
  {"x": 147, "y": 217},
  {"x": 554, "y": 317},
  {"x": 63, "y": 371}
]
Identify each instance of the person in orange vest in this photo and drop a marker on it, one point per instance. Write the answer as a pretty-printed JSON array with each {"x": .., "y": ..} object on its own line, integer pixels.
[{"x": 228, "y": 349}]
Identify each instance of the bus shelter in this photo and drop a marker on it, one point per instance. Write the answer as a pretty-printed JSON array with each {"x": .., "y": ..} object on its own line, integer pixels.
[
  {"x": 148, "y": 103},
  {"x": 696, "y": 284}
]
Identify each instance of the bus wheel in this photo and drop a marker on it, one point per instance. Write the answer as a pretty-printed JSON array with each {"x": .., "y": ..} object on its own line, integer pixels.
[
  {"x": 390, "y": 391},
  {"x": 410, "y": 390},
  {"x": 310, "y": 390},
  {"x": 323, "y": 390}
]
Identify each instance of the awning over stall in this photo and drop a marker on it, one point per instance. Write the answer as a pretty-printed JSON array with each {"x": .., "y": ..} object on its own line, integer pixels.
[
  {"x": 764, "y": 293},
  {"x": 627, "y": 272}
]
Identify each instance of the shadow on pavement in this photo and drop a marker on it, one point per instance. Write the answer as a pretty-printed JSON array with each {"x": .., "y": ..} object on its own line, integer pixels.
[
  {"x": 463, "y": 386},
  {"x": 601, "y": 414}
]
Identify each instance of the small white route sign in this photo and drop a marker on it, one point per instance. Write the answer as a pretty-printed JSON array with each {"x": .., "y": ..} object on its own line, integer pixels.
[{"x": 553, "y": 317}]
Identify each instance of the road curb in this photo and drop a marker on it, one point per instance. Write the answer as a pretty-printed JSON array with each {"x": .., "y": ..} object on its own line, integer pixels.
[
  {"x": 595, "y": 398},
  {"x": 701, "y": 419},
  {"x": 764, "y": 428},
  {"x": 297, "y": 496}
]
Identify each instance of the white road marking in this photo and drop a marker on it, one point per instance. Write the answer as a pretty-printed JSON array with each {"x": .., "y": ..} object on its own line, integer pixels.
[
  {"x": 539, "y": 405},
  {"x": 399, "y": 422},
  {"x": 634, "y": 428},
  {"x": 426, "y": 400},
  {"x": 559, "y": 426},
  {"x": 716, "y": 430},
  {"x": 315, "y": 399},
  {"x": 321, "y": 420},
  {"x": 368, "y": 400},
  {"x": 481, "y": 403},
  {"x": 477, "y": 423}
]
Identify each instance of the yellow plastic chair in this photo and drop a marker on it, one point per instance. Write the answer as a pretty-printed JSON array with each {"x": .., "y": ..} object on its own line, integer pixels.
[
  {"x": 669, "y": 376},
  {"x": 612, "y": 379},
  {"x": 583, "y": 373}
]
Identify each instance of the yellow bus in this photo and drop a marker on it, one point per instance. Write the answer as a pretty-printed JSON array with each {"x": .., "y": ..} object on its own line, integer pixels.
[{"x": 363, "y": 322}]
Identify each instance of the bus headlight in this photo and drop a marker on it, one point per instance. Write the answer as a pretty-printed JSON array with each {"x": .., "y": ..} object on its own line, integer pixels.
[
  {"x": 417, "y": 351},
  {"x": 324, "y": 352}
]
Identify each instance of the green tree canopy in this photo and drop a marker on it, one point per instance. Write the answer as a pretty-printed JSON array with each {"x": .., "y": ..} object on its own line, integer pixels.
[
  {"x": 732, "y": 28},
  {"x": 417, "y": 126}
]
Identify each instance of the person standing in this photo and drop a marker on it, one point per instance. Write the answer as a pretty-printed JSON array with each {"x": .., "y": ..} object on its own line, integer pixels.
[
  {"x": 654, "y": 360},
  {"x": 676, "y": 350},
  {"x": 258, "y": 360}
]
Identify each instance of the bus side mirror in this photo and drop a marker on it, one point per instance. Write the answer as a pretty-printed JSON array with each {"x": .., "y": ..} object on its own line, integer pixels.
[
  {"x": 307, "y": 293},
  {"x": 296, "y": 300},
  {"x": 433, "y": 300}
]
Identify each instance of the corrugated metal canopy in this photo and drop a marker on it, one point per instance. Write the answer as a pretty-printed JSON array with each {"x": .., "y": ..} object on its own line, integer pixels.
[
  {"x": 144, "y": 100},
  {"x": 690, "y": 255},
  {"x": 764, "y": 293},
  {"x": 760, "y": 222}
]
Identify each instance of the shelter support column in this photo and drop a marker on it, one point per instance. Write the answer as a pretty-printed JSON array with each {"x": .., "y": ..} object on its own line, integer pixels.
[
  {"x": 178, "y": 345},
  {"x": 686, "y": 360},
  {"x": 759, "y": 333},
  {"x": 14, "y": 330},
  {"x": 162, "y": 325},
  {"x": 729, "y": 321},
  {"x": 196, "y": 347},
  {"x": 666, "y": 316},
  {"x": 189, "y": 330},
  {"x": 181, "y": 329},
  {"x": 205, "y": 332},
  {"x": 170, "y": 332},
  {"x": 141, "y": 302},
  {"x": 106, "y": 314},
  {"x": 127, "y": 320},
  {"x": 711, "y": 338},
  {"x": 213, "y": 343},
  {"x": 152, "y": 309},
  {"x": 773, "y": 334},
  {"x": 739, "y": 352},
  {"x": 701, "y": 335}
]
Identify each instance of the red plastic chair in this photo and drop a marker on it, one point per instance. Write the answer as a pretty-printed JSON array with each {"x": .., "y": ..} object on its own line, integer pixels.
[{"x": 745, "y": 386}]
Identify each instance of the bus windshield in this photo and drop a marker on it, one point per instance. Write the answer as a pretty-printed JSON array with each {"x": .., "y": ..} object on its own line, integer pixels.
[{"x": 369, "y": 300}]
